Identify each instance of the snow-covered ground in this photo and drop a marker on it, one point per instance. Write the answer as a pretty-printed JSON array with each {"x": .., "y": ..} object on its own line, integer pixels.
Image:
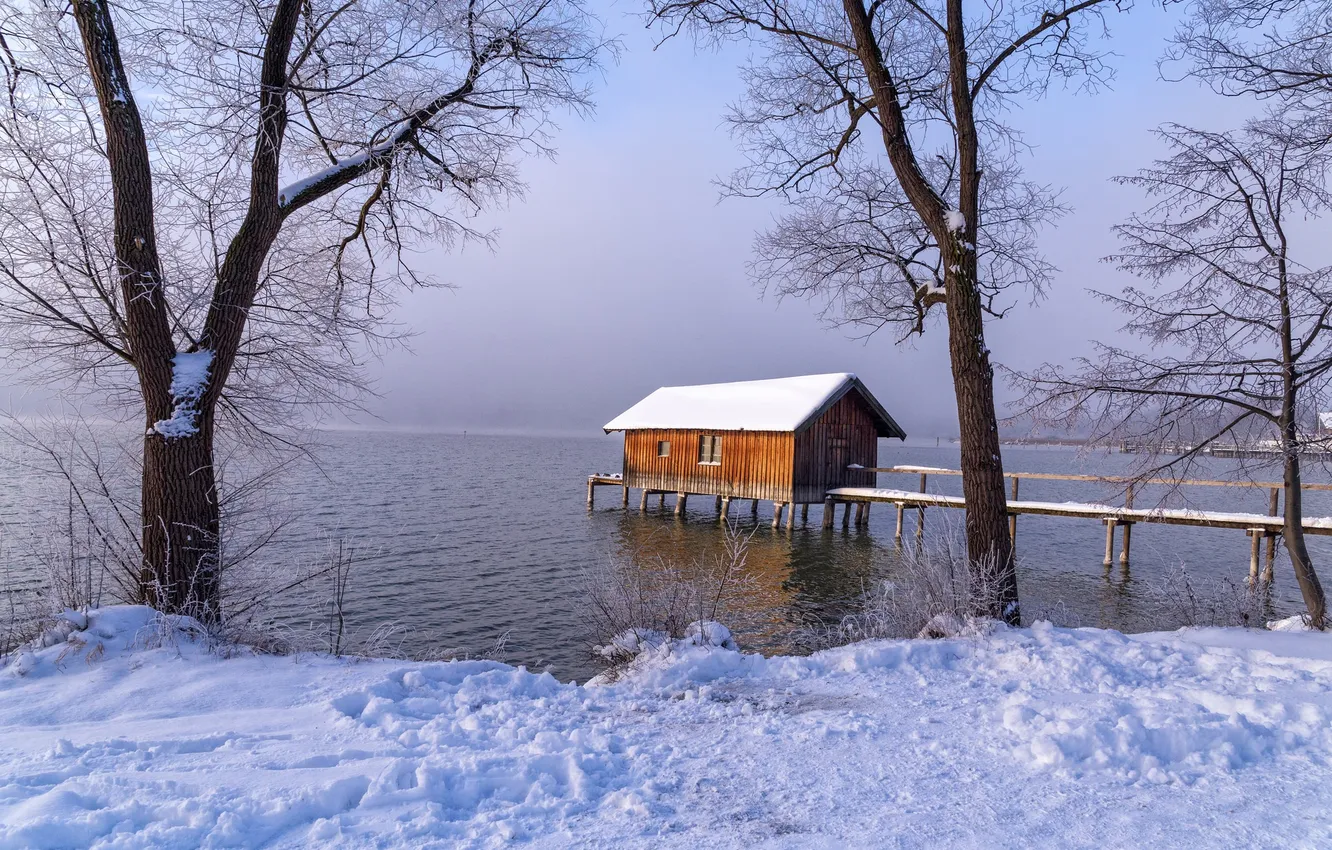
[{"x": 134, "y": 735}]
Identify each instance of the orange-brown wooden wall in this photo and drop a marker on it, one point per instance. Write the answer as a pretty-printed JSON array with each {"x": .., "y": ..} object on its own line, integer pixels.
[{"x": 754, "y": 464}]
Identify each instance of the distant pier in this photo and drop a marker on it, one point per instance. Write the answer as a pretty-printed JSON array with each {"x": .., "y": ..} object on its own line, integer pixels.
[{"x": 1257, "y": 451}]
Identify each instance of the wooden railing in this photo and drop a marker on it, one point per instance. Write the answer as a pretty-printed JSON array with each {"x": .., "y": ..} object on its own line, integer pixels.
[{"x": 1105, "y": 479}]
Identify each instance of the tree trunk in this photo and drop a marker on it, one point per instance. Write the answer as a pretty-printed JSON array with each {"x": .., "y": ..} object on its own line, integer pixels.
[
  {"x": 989, "y": 544},
  {"x": 181, "y": 520},
  {"x": 989, "y": 547},
  {"x": 1300, "y": 563},
  {"x": 178, "y": 499},
  {"x": 1310, "y": 588},
  {"x": 181, "y": 565}
]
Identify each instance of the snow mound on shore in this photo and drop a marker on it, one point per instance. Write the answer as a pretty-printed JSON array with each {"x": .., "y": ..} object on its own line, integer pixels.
[
  {"x": 653, "y": 643},
  {"x": 102, "y": 634}
]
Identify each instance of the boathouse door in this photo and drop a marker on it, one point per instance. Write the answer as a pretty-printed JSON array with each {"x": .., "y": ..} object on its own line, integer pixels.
[{"x": 838, "y": 457}]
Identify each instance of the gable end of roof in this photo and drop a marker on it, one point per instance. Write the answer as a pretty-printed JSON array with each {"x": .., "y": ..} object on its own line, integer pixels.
[{"x": 884, "y": 423}]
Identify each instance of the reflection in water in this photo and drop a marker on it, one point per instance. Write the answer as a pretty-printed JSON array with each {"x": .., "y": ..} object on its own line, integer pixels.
[{"x": 795, "y": 581}]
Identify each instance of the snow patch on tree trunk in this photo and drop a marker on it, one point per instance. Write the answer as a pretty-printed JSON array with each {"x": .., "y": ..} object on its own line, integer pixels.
[{"x": 189, "y": 379}]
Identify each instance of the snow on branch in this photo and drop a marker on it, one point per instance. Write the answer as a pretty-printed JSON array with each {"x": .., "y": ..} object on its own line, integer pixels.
[
  {"x": 316, "y": 185},
  {"x": 349, "y": 168}
]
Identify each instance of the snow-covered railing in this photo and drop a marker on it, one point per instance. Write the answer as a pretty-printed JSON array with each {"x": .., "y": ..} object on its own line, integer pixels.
[
  {"x": 1102, "y": 479},
  {"x": 1258, "y": 526}
]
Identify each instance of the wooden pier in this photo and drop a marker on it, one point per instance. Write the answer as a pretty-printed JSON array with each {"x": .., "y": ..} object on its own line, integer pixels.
[
  {"x": 609, "y": 479},
  {"x": 1259, "y": 527}
]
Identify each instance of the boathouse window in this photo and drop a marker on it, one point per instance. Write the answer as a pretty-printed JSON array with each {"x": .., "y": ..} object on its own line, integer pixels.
[
  {"x": 663, "y": 448},
  {"x": 709, "y": 449}
]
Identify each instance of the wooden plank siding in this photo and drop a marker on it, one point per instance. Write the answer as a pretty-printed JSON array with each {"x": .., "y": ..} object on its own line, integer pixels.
[
  {"x": 754, "y": 464},
  {"x": 843, "y": 435}
]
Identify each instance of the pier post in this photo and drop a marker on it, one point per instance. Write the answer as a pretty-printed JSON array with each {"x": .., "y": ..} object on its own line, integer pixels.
[
  {"x": 790, "y": 515},
  {"x": 1012, "y": 518},
  {"x": 897, "y": 538},
  {"x": 1273, "y": 504},
  {"x": 680, "y": 499},
  {"x": 1256, "y": 535},
  {"x": 725, "y": 512},
  {"x": 1128, "y": 527},
  {"x": 753, "y": 508},
  {"x": 718, "y": 507},
  {"x": 624, "y": 497},
  {"x": 804, "y": 514},
  {"x": 920, "y": 513},
  {"x": 1110, "y": 523},
  {"x": 829, "y": 508},
  {"x": 846, "y": 515},
  {"x": 590, "y": 490},
  {"x": 776, "y": 514},
  {"x": 1271, "y": 557},
  {"x": 642, "y": 501}
]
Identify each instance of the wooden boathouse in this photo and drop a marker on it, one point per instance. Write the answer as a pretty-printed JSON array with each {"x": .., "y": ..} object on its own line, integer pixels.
[{"x": 785, "y": 440}]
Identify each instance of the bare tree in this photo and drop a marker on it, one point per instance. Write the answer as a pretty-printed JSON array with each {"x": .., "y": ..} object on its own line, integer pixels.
[
  {"x": 1241, "y": 345},
  {"x": 1268, "y": 48},
  {"x": 207, "y": 206},
  {"x": 863, "y": 253},
  {"x": 947, "y": 218}
]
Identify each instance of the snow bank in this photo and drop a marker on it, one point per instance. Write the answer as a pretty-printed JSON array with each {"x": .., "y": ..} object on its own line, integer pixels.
[{"x": 1022, "y": 737}]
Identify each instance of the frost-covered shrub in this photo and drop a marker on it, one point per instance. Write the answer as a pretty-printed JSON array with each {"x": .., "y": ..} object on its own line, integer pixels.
[
  {"x": 1181, "y": 601},
  {"x": 934, "y": 593},
  {"x": 635, "y": 604}
]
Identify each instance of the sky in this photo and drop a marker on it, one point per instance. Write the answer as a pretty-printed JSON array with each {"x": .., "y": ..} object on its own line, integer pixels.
[{"x": 623, "y": 269}]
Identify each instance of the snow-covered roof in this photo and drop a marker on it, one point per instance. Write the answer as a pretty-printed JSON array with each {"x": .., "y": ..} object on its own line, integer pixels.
[{"x": 777, "y": 404}]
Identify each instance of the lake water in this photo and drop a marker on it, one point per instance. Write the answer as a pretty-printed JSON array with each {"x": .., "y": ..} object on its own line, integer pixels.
[{"x": 465, "y": 539}]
